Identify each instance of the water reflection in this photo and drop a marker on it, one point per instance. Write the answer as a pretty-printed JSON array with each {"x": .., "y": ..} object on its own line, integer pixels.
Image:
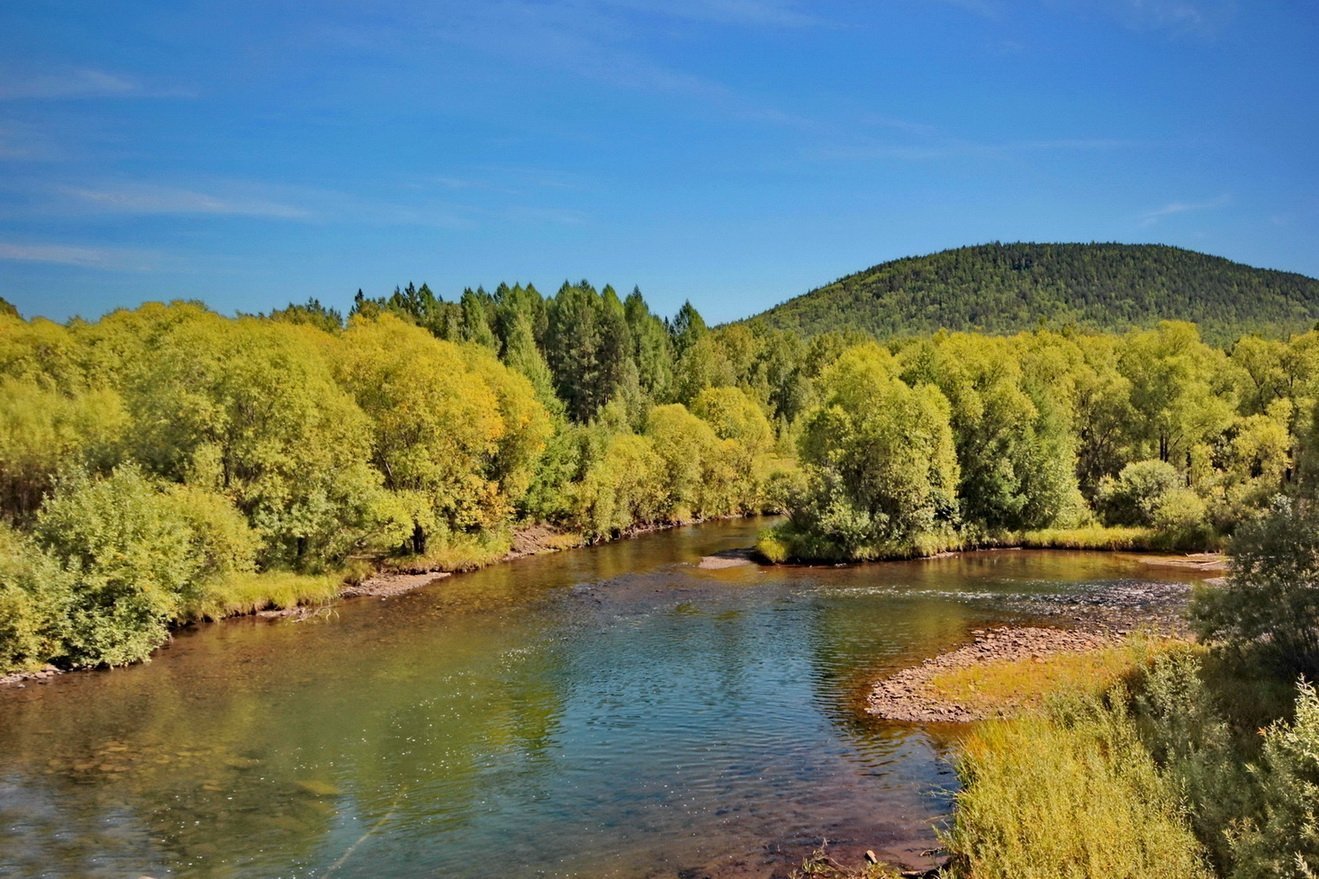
[{"x": 616, "y": 712}]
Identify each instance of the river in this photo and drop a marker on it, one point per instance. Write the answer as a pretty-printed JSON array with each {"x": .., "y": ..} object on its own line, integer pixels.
[{"x": 610, "y": 712}]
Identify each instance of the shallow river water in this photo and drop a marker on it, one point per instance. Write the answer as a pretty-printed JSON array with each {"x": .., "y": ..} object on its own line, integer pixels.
[{"x": 611, "y": 712}]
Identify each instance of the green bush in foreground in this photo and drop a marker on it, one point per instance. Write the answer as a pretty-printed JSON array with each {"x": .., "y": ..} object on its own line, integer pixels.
[
  {"x": 1196, "y": 748},
  {"x": 137, "y": 556},
  {"x": 130, "y": 558},
  {"x": 1071, "y": 794},
  {"x": 1268, "y": 612},
  {"x": 34, "y": 603},
  {"x": 1283, "y": 842}
]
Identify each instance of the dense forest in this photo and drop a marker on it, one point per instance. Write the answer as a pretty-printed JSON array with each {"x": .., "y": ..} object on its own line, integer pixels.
[
  {"x": 1007, "y": 288},
  {"x": 167, "y": 463},
  {"x": 966, "y": 440}
]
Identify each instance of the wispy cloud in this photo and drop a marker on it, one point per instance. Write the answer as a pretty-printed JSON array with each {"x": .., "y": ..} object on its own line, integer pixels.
[
  {"x": 138, "y": 198},
  {"x": 867, "y": 151},
  {"x": 463, "y": 201},
  {"x": 1203, "y": 16},
  {"x": 20, "y": 141},
  {"x": 748, "y": 13},
  {"x": 108, "y": 258},
  {"x": 1200, "y": 17},
  {"x": 543, "y": 216},
  {"x": 499, "y": 180},
  {"x": 985, "y": 8},
  {"x": 76, "y": 83},
  {"x": 1182, "y": 207},
  {"x": 608, "y": 41}
]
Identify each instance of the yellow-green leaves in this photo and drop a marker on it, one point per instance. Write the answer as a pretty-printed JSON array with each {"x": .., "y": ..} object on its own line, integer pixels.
[
  {"x": 451, "y": 428},
  {"x": 134, "y": 554},
  {"x": 44, "y": 430},
  {"x": 880, "y": 461}
]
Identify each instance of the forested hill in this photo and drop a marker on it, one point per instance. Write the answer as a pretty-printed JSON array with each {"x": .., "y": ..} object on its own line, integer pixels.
[{"x": 1003, "y": 288}]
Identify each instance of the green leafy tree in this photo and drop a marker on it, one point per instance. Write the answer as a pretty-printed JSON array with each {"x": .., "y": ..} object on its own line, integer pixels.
[
  {"x": 1017, "y": 459},
  {"x": 1180, "y": 390},
  {"x": 43, "y": 431},
  {"x": 250, "y": 408},
  {"x": 625, "y": 489},
  {"x": 688, "y": 447},
  {"x": 880, "y": 463},
  {"x": 453, "y": 430}
]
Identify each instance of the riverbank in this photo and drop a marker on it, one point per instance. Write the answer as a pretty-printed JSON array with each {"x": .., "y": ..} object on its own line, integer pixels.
[
  {"x": 784, "y": 545},
  {"x": 1008, "y": 670},
  {"x": 1005, "y": 669},
  {"x": 387, "y": 578}
]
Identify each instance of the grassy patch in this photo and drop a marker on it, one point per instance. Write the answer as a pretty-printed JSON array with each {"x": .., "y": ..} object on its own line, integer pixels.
[
  {"x": 1069, "y": 794},
  {"x": 1011, "y": 686},
  {"x": 1112, "y": 537},
  {"x": 784, "y": 543},
  {"x": 456, "y": 552},
  {"x": 240, "y": 594},
  {"x": 1091, "y": 537},
  {"x": 774, "y": 550}
]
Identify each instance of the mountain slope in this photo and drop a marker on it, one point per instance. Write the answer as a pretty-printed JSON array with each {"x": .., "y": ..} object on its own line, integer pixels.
[{"x": 1002, "y": 288}]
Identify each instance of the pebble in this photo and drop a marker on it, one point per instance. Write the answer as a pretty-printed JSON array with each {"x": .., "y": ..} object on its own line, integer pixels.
[{"x": 906, "y": 695}]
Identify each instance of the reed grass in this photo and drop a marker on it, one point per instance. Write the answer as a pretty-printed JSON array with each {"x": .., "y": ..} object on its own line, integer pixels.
[
  {"x": 1070, "y": 793},
  {"x": 248, "y": 593},
  {"x": 1100, "y": 537},
  {"x": 456, "y": 552},
  {"x": 1007, "y": 687}
]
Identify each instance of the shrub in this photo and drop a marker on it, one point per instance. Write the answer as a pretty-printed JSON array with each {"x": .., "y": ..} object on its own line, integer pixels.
[
  {"x": 221, "y": 539},
  {"x": 1284, "y": 842},
  {"x": 1071, "y": 794},
  {"x": 137, "y": 556},
  {"x": 1181, "y": 518},
  {"x": 1193, "y": 743},
  {"x": 1269, "y": 608},
  {"x": 1136, "y": 495},
  {"x": 131, "y": 559},
  {"x": 34, "y": 603},
  {"x": 773, "y": 549}
]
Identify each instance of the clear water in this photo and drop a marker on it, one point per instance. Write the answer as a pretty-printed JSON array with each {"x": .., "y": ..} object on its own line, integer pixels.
[{"x": 613, "y": 712}]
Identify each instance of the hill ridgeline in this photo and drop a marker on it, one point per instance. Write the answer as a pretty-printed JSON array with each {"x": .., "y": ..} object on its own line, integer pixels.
[{"x": 1004, "y": 288}]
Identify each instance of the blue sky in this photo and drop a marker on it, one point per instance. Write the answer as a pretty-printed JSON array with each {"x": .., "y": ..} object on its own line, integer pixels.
[{"x": 734, "y": 152}]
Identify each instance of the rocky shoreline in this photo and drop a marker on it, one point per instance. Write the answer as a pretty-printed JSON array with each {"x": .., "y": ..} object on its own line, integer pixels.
[
  {"x": 1086, "y": 622},
  {"x": 910, "y": 696}
]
